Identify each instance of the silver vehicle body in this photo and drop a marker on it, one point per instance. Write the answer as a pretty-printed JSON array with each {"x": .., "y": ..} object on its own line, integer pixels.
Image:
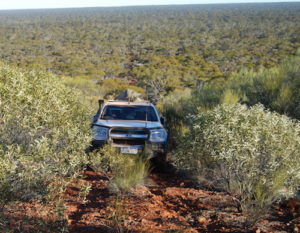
[{"x": 131, "y": 136}]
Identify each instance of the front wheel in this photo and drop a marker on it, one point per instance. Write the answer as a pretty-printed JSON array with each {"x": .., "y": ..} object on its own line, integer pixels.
[{"x": 160, "y": 162}]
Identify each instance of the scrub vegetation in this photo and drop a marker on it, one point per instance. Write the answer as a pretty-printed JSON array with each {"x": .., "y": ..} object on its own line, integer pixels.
[
  {"x": 44, "y": 130},
  {"x": 161, "y": 48},
  {"x": 248, "y": 151},
  {"x": 128, "y": 171},
  {"x": 226, "y": 77}
]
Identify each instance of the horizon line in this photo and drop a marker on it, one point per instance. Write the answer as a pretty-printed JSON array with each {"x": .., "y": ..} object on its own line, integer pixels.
[{"x": 120, "y": 6}]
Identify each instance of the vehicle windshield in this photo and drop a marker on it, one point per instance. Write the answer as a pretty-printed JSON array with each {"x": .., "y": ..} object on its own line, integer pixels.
[{"x": 142, "y": 113}]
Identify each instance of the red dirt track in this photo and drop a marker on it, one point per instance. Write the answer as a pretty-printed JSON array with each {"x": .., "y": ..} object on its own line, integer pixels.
[{"x": 167, "y": 203}]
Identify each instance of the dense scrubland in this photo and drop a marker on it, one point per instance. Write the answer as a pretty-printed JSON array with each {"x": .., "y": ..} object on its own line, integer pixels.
[
  {"x": 227, "y": 78},
  {"x": 161, "y": 48}
]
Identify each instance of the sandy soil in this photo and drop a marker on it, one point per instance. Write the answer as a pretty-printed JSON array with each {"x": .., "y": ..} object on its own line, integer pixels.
[{"x": 166, "y": 202}]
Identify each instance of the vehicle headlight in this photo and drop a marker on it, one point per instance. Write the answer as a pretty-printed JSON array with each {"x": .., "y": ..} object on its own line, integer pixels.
[
  {"x": 158, "y": 135},
  {"x": 100, "y": 133}
]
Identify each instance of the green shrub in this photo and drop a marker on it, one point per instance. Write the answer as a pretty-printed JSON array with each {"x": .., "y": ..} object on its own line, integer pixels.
[
  {"x": 248, "y": 151},
  {"x": 276, "y": 88},
  {"x": 172, "y": 107},
  {"x": 128, "y": 170},
  {"x": 90, "y": 93},
  {"x": 43, "y": 133},
  {"x": 177, "y": 106}
]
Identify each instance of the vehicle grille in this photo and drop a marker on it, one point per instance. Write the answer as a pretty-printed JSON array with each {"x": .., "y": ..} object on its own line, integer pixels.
[
  {"x": 129, "y": 136},
  {"x": 129, "y": 131},
  {"x": 126, "y": 142}
]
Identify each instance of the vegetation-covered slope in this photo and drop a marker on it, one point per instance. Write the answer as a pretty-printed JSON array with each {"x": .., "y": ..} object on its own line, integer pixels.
[
  {"x": 162, "y": 47},
  {"x": 193, "y": 59}
]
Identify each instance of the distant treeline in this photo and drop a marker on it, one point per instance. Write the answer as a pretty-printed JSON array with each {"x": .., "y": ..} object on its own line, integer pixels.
[{"x": 159, "y": 47}]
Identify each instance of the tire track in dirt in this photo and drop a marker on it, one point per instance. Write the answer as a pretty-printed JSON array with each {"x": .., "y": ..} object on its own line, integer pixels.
[{"x": 168, "y": 201}]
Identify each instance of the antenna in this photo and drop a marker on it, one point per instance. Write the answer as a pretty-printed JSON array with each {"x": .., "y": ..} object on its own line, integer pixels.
[
  {"x": 146, "y": 115},
  {"x": 147, "y": 94}
]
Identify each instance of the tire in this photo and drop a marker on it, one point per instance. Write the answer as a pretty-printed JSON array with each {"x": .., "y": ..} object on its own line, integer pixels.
[{"x": 160, "y": 162}]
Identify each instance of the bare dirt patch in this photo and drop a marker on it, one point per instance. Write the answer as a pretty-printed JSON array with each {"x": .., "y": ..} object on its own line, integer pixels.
[{"x": 167, "y": 202}]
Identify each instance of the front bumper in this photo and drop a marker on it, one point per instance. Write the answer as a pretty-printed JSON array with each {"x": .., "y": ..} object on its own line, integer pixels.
[
  {"x": 150, "y": 149},
  {"x": 98, "y": 143}
]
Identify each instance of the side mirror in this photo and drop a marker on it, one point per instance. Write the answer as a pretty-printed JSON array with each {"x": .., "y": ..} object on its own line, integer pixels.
[
  {"x": 162, "y": 120},
  {"x": 100, "y": 102}
]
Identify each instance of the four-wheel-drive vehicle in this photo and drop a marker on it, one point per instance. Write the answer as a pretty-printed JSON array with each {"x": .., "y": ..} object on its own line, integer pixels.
[{"x": 132, "y": 127}]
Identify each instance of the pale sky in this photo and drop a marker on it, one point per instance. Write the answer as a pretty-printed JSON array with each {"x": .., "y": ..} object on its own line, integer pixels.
[{"x": 32, "y": 4}]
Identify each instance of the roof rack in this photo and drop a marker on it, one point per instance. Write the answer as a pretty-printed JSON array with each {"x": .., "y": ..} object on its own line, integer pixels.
[{"x": 127, "y": 101}]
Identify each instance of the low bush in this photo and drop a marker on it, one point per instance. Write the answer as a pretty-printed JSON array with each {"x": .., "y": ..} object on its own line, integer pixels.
[
  {"x": 172, "y": 107},
  {"x": 249, "y": 151},
  {"x": 88, "y": 91},
  {"x": 177, "y": 106},
  {"x": 276, "y": 88},
  {"x": 43, "y": 133},
  {"x": 128, "y": 171}
]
